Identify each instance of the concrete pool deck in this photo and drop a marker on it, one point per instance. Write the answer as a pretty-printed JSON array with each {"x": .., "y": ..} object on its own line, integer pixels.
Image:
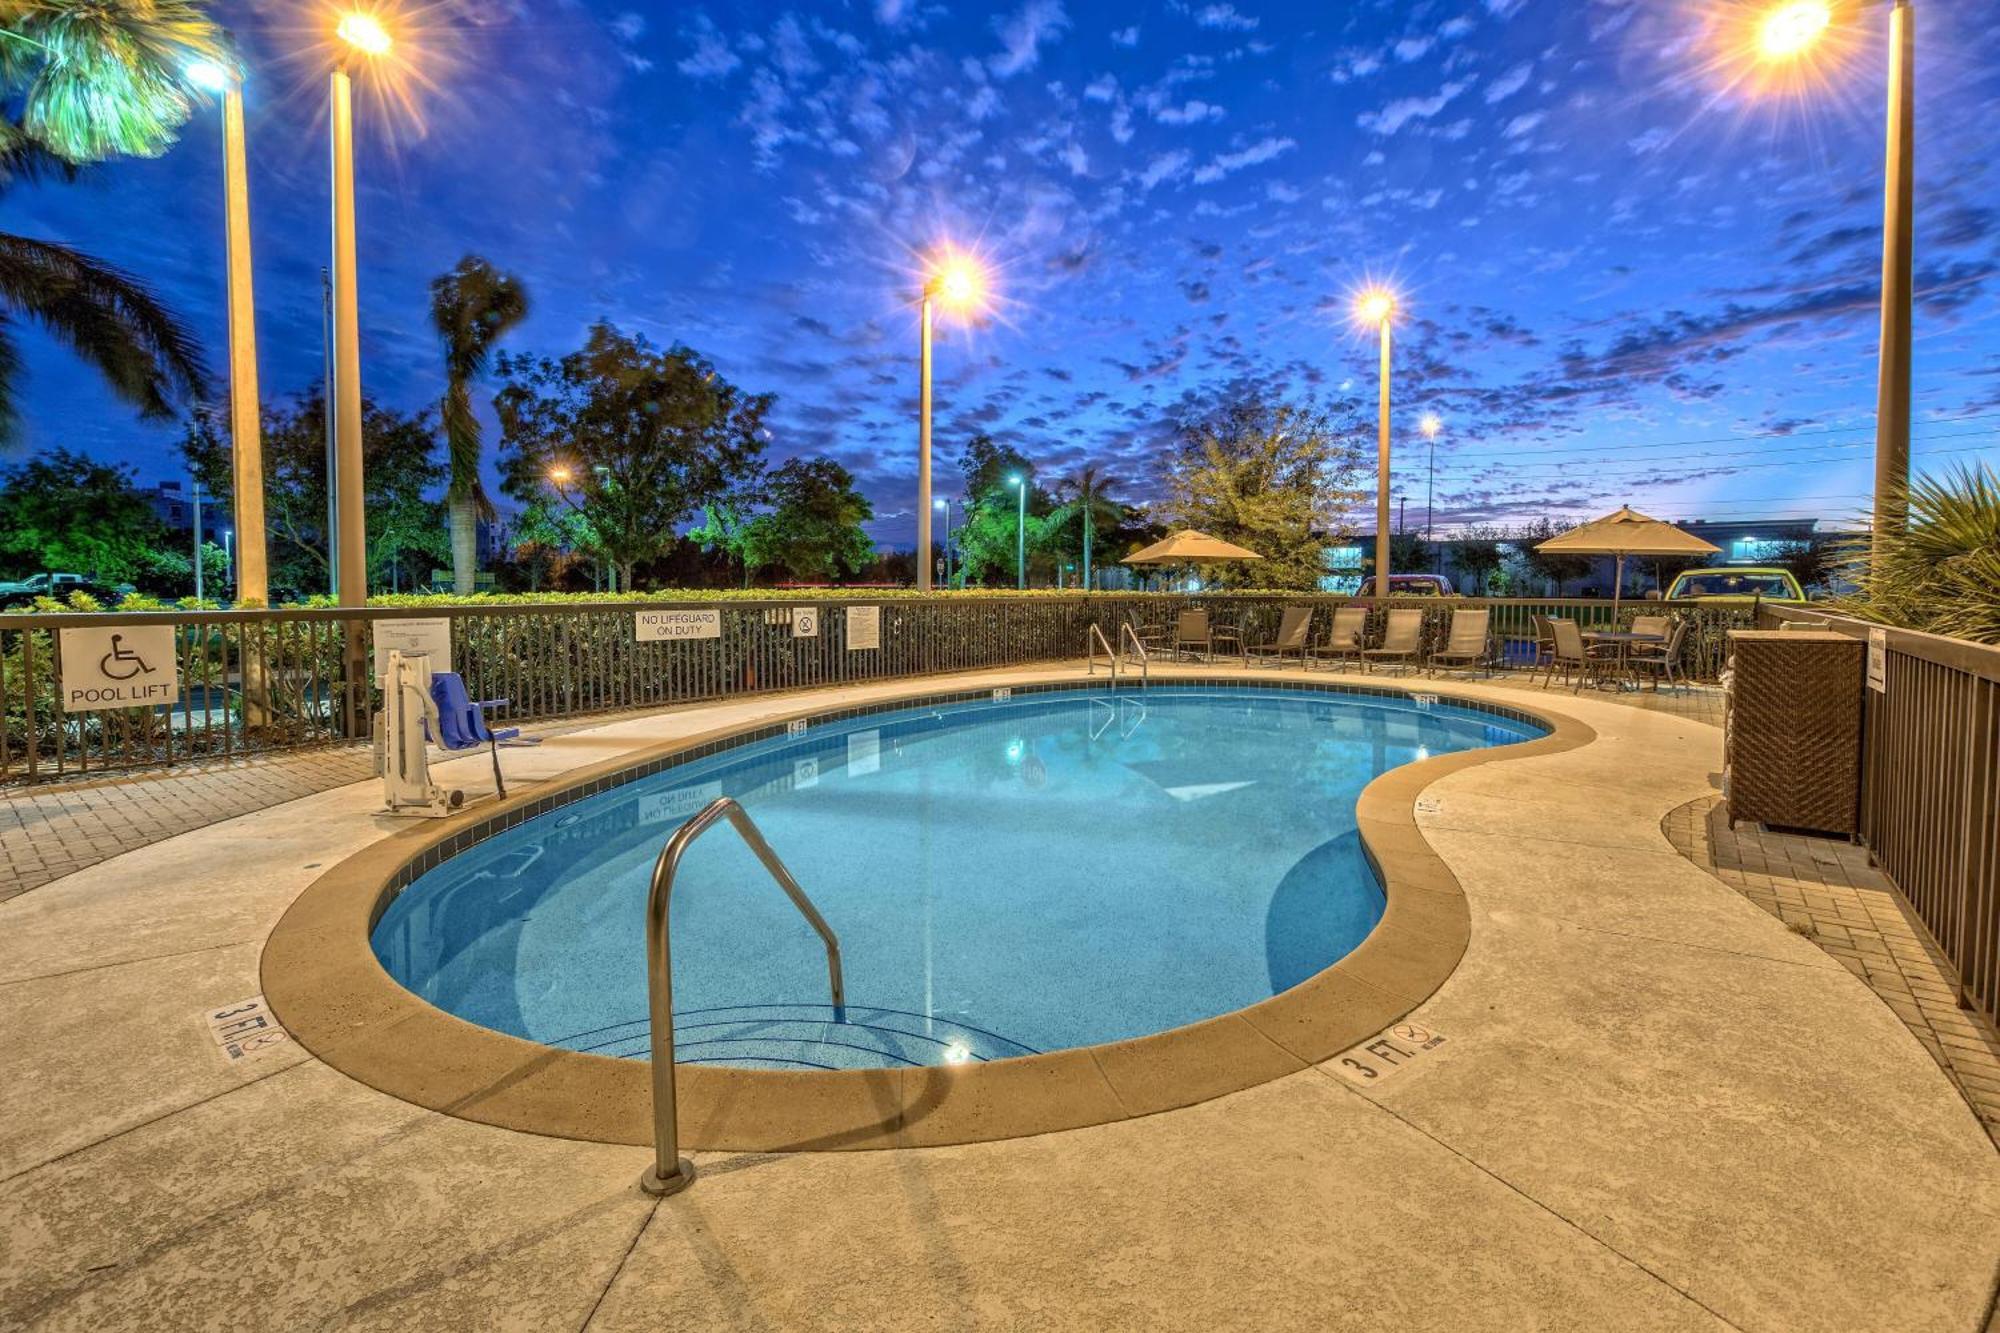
[{"x": 1655, "y": 1107}]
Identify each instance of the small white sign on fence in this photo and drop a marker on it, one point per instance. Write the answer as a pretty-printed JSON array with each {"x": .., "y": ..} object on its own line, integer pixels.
[
  {"x": 864, "y": 627},
  {"x": 661, "y": 626},
  {"x": 431, "y": 636},
  {"x": 129, "y": 666},
  {"x": 805, "y": 622},
  {"x": 1878, "y": 660}
]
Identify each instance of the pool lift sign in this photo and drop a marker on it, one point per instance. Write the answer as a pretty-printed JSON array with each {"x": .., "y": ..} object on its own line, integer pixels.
[{"x": 127, "y": 666}]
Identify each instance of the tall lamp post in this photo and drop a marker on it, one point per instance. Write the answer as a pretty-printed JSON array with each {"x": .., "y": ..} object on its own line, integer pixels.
[
  {"x": 1020, "y": 485},
  {"x": 361, "y": 36},
  {"x": 1785, "y": 34},
  {"x": 945, "y": 504},
  {"x": 246, "y": 446},
  {"x": 1377, "y": 306},
  {"x": 956, "y": 280},
  {"x": 1430, "y": 426}
]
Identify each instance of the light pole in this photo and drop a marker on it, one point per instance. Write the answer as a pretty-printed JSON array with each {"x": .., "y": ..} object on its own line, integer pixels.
[
  {"x": 1430, "y": 426},
  {"x": 229, "y": 563},
  {"x": 360, "y": 35},
  {"x": 1377, "y": 306},
  {"x": 1786, "y": 33},
  {"x": 197, "y": 540},
  {"x": 957, "y": 280},
  {"x": 945, "y": 504},
  {"x": 246, "y": 447},
  {"x": 1020, "y": 485}
]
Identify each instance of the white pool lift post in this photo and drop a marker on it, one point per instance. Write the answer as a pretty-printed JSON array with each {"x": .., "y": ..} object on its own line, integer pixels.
[{"x": 409, "y": 719}]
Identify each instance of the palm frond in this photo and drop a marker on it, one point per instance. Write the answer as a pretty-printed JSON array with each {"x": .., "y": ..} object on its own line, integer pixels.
[
  {"x": 471, "y": 307},
  {"x": 1941, "y": 571},
  {"x": 109, "y": 318},
  {"x": 110, "y": 79},
  {"x": 10, "y": 372}
]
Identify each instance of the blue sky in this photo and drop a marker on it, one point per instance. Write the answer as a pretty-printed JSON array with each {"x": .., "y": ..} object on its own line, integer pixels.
[{"x": 1624, "y": 279}]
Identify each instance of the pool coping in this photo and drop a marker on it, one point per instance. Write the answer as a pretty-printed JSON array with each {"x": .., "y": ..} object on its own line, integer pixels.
[{"x": 322, "y": 980}]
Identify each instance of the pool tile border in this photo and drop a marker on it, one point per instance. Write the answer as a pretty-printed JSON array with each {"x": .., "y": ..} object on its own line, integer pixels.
[{"x": 322, "y": 980}]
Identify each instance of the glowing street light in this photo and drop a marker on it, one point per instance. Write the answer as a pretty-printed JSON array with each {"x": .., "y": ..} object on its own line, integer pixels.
[
  {"x": 1020, "y": 484},
  {"x": 1377, "y": 306},
  {"x": 1430, "y": 425},
  {"x": 1785, "y": 38},
  {"x": 365, "y": 33},
  {"x": 957, "y": 281},
  {"x": 944, "y": 503},
  {"x": 246, "y": 446}
]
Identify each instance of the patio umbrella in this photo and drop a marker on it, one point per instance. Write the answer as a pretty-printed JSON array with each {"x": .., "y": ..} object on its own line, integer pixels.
[
  {"x": 1627, "y": 532},
  {"x": 1188, "y": 547}
]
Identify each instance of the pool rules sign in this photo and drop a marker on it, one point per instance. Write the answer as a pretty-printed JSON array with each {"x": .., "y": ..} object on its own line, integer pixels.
[{"x": 123, "y": 666}]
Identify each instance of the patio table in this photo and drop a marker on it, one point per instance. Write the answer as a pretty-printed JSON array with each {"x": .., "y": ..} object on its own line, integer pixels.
[{"x": 1623, "y": 641}]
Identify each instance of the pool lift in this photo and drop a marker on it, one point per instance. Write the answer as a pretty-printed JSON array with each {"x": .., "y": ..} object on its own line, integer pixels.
[{"x": 409, "y": 720}]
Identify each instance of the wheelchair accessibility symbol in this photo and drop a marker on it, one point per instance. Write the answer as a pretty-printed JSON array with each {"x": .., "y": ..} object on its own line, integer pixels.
[
  {"x": 131, "y": 666},
  {"x": 122, "y": 663}
]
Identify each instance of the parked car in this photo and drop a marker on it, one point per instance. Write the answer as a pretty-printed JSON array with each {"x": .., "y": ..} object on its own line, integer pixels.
[
  {"x": 16, "y": 596},
  {"x": 1737, "y": 583},
  {"x": 1411, "y": 585}
]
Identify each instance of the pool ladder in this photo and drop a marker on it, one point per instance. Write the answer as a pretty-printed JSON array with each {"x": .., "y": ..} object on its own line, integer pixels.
[
  {"x": 1125, "y": 634},
  {"x": 671, "y": 1172}
]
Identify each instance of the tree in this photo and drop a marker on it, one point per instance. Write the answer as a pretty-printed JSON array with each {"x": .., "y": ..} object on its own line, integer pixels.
[
  {"x": 813, "y": 528},
  {"x": 64, "y": 513},
  {"x": 725, "y": 530},
  {"x": 1409, "y": 553},
  {"x": 471, "y": 307},
  {"x": 643, "y": 438},
  {"x": 988, "y": 538},
  {"x": 1813, "y": 562},
  {"x": 1477, "y": 553},
  {"x": 1275, "y": 479},
  {"x": 399, "y": 461},
  {"x": 1941, "y": 571},
  {"x": 1086, "y": 503},
  {"x": 1558, "y": 567},
  {"x": 82, "y": 81}
]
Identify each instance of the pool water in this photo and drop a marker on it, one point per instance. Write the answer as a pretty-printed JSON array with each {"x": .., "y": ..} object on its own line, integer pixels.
[{"x": 1054, "y": 870}]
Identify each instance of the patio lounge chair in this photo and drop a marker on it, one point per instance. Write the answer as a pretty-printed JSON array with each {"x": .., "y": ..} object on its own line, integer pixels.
[
  {"x": 1574, "y": 659},
  {"x": 1468, "y": 645},
  {"x": 1294, "y": 627},
  {"x": 1402, "y": 640},
  {"x": 1663, "y": 661},
  {"x": 1545, "y": 647},
  {"x": 1659, "y": 625},
  {"x": 1192, "y": 630},
  {"x": 1346, "y": 639},
  {"x": 462, "y": 722}
]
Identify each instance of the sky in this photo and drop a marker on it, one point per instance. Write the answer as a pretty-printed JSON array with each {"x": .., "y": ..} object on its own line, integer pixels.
[{"x": 1627, "y": 274}]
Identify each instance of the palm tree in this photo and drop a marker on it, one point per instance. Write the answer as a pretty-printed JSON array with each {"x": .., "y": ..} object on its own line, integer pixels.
[
  {"x": 1940, "y": 572},
  {"x": 90, "y": 81},
  {"x": 1087, "y": 496},
  {"x": 472, "y": 306}
]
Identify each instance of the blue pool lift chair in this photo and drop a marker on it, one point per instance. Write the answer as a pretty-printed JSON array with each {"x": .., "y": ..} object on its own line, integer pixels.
[{"x": 462, "y": 721}]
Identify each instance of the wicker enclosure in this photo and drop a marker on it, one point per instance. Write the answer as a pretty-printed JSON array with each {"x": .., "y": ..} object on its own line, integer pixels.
[{"x": 1793, "y": 753}]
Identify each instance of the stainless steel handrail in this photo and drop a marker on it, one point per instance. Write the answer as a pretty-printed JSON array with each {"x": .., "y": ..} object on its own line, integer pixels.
[
  {"x": 1090, "y": 645},
  {"x": 1125, "y": 631},
  {"x": 670, "y": 1171}
]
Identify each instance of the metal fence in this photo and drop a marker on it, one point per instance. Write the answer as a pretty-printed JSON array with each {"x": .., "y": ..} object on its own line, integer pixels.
[
  {"x": 255, "y": 681},
  {"x": 1930, "y": 789}
]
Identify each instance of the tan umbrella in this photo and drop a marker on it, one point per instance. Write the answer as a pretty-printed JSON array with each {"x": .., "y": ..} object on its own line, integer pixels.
[
  {"x": 1188, "y": 547},
  {"x": 1627, "y": 532}
]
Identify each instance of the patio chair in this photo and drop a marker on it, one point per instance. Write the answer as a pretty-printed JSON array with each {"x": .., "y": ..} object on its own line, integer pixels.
[
  {"x": 1348, "y": 636},
  {"x": 1660, "y": 625},
  {"x": 1574, "y": 659},
  {"x": 1663, "y": 661},
  {"x": 462, "y": 722},
  {"x": 1294, "y": 629},
  {"x": 1192, "y": 630},
  {"x": 1468, "y": 645},
  {"x": 1545, "y": 647},
  {"x": 1402, "y": 640}
]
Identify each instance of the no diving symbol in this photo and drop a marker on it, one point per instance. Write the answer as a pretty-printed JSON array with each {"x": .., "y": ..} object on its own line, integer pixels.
[{"x": 133, "y": 664}]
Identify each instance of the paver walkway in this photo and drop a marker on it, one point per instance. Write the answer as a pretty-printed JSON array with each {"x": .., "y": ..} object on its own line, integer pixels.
[{"x": 1827, "y": 891}]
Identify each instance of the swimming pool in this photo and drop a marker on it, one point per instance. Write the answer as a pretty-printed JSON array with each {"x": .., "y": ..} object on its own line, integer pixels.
[{"x": 1052, "y": 870}]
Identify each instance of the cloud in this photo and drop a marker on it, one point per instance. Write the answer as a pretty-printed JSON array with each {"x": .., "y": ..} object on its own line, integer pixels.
[
  {"x": 1163, "y": 168},
  {"x": 1073, "y": 157},
  {"x": 1503, "y": 8},
  {"x": 1513, "y": 81},
  {"x": 1194, "y": 112},
  {"x": 1280, "y": 193},
  {"x": 1103, "y": 88},
  {"x": 1403, "y": 110},
  {"x": 790, "y": 50},
  {"x": 1023, "y": 33},
  {"x": 1228, "y": 163},
  {"x": 1413, "y": 48},
  {"x": 1454, "y": 29},
  {"x": 1225, "y": 17},
  {"x": 711, "y": 57},
  {"x": 1126, "y": 36},
  {"x": 1522, "y": 124}
]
